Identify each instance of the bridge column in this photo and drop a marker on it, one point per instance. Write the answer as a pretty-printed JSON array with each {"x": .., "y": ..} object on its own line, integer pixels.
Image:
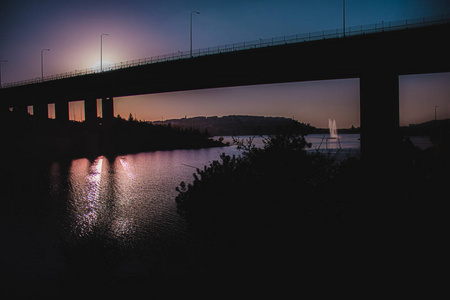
[
  {"x": 62, "y": 123},
  {"x": 379, "y": 96},
  {"x": 43, "y": 141},
  {"x": 90, "y": 113},
  {"x": 107, "y": 124},
  {"x": 20, "y": 110},
  {"x": 62, "y": 113},
  {"x": 40, "y": 111},
  {"x": 18, "y": 117},
  {"x": 40, "y": 124}
]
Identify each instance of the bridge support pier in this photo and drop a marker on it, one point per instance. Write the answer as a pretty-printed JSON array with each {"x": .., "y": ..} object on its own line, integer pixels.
[
  {"x": 62, "y": 113},
  {"x": 20, "y": 110},
  {"x": 379, "y": 96},
  {"x": 107, "y": 124},
  {"x": 40, "y": 111},
  {"x": 92, "y": 137},
  {"x": 41, "y": 133},
  {"x": 62, "y": 123}
]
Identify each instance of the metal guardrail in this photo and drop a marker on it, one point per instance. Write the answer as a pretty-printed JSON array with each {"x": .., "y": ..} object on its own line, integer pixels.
[{"x": 261, "y": 43}]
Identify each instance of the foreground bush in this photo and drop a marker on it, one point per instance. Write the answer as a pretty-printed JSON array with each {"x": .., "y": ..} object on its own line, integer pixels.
[{"x": 277, "y": 187}]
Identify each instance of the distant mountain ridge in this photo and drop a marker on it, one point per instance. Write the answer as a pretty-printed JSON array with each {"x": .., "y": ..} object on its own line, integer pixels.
[{"x": 236, "y": 124}]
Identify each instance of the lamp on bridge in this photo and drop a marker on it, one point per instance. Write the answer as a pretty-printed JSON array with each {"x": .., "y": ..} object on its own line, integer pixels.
[
  {"x": 101, "y": 50},
  {"x": 42, "y": 63}
]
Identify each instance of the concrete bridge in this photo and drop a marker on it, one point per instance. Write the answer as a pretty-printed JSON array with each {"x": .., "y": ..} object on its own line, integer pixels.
[{"x": 377, "y": 57}]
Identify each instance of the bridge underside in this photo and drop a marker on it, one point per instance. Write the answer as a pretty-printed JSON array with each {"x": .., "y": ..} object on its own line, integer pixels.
[{"x": 376, "y": 59}]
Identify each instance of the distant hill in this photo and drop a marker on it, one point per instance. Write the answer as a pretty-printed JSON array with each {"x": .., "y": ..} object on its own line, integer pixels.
[
  {"x": 237, "y": 125},
  {"x": 427, "y": 128}
]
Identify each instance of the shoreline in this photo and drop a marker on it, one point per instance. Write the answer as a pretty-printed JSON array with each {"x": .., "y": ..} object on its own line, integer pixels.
[{"x": 23, "y": 138}]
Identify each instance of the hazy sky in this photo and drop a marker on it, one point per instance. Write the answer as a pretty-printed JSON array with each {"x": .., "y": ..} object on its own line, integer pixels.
[{"x": 139, "y": 29}]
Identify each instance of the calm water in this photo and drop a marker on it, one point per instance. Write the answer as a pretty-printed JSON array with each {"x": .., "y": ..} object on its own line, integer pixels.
[{"x": 129, "y": 199}]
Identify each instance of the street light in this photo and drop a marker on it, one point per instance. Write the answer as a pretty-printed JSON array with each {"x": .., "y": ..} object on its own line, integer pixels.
[
  {"x": 42, "y": 63},
  {"x": 1, "y": 61},
  {"x": 101, "y": 50},
  {"x": 193, "y": 12},
  {"x": 435, "y": 114}
]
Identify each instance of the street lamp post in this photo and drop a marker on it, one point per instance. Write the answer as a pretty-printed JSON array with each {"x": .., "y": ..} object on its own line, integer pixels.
[
  {"x": 1, "y": 61},
  {"x": 101, "y": 50},
  {"x": 343, "y": 15},
  {"x": 193, "y": 12},
  {"x": 42, "y": 63}
]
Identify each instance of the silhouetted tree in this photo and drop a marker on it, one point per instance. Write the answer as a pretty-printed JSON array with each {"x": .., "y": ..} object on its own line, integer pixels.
[{"x": 237, "y": 194}]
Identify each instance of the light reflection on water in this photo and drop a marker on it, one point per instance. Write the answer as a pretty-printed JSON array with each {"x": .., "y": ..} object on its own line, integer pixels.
[
  {"x": 131, "y": 197},
  {"x": 105, "y": 197},
  {"x": 85, "y": 180}
]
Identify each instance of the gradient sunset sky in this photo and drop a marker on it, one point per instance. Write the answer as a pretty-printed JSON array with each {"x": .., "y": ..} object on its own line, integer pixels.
[{"x": 139, "y": 29}]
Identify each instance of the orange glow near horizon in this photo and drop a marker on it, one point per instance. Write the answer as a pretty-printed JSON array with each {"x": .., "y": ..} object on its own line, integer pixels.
[
  {"x": 76, "y": 111},
  {"x": 308, "y": 102},
  {"x": 51, "y": 111}
]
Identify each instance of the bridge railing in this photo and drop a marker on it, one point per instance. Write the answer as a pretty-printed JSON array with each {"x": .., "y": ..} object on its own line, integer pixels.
[{"x": 261, "y": 43}]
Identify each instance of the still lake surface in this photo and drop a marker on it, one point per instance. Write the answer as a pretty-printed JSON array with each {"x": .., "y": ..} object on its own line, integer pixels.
[
  {"x": 132, "y": 197},
  {"x": 129, "y": 198}
]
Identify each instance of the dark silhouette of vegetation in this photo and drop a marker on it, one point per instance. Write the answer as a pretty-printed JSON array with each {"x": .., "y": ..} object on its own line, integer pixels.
[
  {"x": 269, "y": 208},
  {"x": 278, "y": 208},
  {"x": 235, "y": 194},
  {"x": 247, "y": 125},
  {"x": 136, "y": 136},
  {"x": 238, "y": 125},
  {"x": 23, "y": 135}
]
